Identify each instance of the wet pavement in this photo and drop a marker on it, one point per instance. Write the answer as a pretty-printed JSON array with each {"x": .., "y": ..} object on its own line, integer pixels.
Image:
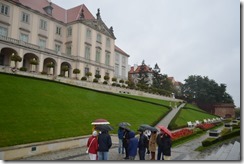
[{"x": 185, "y": 151}]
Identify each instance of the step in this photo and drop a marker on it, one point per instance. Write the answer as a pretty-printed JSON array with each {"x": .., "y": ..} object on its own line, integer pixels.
[
  {"x": 217, "y": 155},
  {"x": 225, "y": 153},
  {"x": 235, "y": 152}
]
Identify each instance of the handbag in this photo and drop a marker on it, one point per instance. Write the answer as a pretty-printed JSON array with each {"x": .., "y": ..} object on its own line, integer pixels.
[{"x": 89, "y": 146}]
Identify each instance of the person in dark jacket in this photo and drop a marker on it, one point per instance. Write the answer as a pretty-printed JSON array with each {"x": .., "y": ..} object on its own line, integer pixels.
[
  {"x": 167, "y": 143},
  {"x": 142, "y": 145},
  {"x": 132, "y": 146},
  {"x": 104, "y": 144},
  {"x": 126, "y": 142},
  {"x": 160, "y": 145},
  {"x": 120, "y": 137}
]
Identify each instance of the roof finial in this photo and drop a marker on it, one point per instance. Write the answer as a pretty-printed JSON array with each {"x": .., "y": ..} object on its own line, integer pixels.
[
  {"x": 98, "y": 14},
  {"x": 82, "y": 16}
]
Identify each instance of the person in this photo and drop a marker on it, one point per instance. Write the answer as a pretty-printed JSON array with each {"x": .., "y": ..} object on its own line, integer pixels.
[
  {"x": 152, "y": 144},
  {"x": 92, "y": 146},
  {"x": 147, "y": 134},
  {"x": 126, "y": 142},
  {"x": 104, "y": 144},
  {"x": 167, "y": 143},
  {"x": 142, "y": 145},
  {"x": 160, "y": 145},
  {"x": 120, "y": 137},
  {"x": 132, "y": 146}
]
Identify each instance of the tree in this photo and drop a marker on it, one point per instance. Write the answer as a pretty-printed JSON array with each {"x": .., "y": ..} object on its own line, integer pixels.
[
  {"x": 143, "y": 80},
  {"x": 64, "y": 69},
  {"x": 203, "y": 90},
  {"x": 76, "y": 71},
  {"x": 16, "y": 58}
]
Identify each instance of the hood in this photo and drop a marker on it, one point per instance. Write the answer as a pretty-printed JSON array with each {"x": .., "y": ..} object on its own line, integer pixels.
[{"x": 131, "y": 134}]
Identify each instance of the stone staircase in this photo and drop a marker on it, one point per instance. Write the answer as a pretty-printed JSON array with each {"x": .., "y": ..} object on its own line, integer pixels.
[{"x": 226, "y": 152}]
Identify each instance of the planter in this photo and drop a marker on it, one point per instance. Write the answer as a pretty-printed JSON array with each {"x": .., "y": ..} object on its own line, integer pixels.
[{"x": 214, "y": 133}]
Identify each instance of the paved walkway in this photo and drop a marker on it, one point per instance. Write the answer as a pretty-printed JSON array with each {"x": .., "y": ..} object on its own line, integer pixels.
[{"x": 185, "y": 151}]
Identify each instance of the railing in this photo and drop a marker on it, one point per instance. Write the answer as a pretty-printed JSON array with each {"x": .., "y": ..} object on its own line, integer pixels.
[{"x": 55, "y": 53}]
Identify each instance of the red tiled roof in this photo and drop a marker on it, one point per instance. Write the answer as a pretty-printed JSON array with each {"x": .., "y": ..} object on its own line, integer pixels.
[
  {"x": 121, "y": 51},
  {"x": 58, "y": 12},
  {"x": 148, "y": 69}
]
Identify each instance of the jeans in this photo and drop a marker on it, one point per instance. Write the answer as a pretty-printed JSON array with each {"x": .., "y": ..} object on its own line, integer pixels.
[
  {"x": 160, "y": 152},
  {"x": 103, "y": 155},
  {"x": 142, "y": 153},
  {"x": 121, "y": 147}
]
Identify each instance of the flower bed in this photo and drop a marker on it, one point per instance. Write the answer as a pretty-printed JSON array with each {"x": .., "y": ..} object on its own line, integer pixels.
[
  {"x": 205, "y": 126},
  {"x": 181, "y": 133}
]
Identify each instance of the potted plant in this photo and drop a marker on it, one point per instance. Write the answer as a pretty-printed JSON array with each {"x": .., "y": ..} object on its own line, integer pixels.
[
  {"x": 76, "y": 71},
  {"x": 16, "y": 58}
]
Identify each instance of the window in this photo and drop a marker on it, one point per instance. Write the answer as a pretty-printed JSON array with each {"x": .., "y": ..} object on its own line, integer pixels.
[
  {"x": 88, "y": 34},
  {"x": 68, "y": 49},
  {"x": 58, "y": 30},
  {"x": 123, "y": 72},
  {"x": 24, "y": 37},
  {"x": 99, "y": 38},
  {"x": 117, "y": 58},
  {"x": 108, "y": 43},
  {"x": 116, "y": 70},
  {"x": 4, "y": 9},
  {"x": 25, "y": 17},
  {"x": 57, "y": 47},
  {"x": 42, "y": 43},
  {"x": 43, "y": 24},
  {"x": 87, "y": 52},
  {"x": 69, "y": 31},
  {"x": 86, "y": 70},
  {"x": 97, "y": 72},
  {"x": 98, "y": 55},
  {"x": 107, "y": 58},
  {"x": 123, "y": 60},
  {"x": 3, "y": 31}
]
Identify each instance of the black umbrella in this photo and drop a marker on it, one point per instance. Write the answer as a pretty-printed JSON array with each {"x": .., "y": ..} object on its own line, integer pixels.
[
  {"x": 148, "y": 127},
  {"x": 105, "y": 127},
  {"x": 124, "y": 124}
]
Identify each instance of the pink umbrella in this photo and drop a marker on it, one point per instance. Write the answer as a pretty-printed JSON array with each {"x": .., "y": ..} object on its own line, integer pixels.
[
  {"x": 100, "y": 121},
  {"x": 165, "y": 130}
]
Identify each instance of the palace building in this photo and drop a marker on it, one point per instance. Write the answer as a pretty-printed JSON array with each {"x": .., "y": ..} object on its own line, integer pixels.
[{"x": 57, "y": 38}]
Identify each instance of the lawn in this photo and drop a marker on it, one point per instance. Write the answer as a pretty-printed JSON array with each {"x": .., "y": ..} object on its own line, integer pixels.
[
  {"x": 35, "y": 110},
  {"x": 188, "y": 114}
]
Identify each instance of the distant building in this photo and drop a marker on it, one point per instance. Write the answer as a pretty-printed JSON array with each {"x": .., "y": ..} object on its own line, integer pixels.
[
  {"x": 133, "y": 74},
  {"x": 43, "y": 31}
]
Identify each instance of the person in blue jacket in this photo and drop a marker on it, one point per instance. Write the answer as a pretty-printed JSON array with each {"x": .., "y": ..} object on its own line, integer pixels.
[
  {"x": 132, "y": 146},
  {"x": 120, "y": 136}
]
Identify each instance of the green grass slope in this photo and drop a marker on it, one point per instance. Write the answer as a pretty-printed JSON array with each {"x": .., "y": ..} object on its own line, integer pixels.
[{"x": 35, "y": 110}]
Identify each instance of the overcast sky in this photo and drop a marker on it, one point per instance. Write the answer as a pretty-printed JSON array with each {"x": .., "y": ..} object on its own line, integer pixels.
[{"x": 184, "y": 37}]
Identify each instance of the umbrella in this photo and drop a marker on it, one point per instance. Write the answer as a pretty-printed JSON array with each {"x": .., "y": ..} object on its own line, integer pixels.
[
  {"x": 124, "y": 124},
  {"x": 105, "y": 127},
  {"x": 100, "y": 121},
  {"x": 148, "y": 127},
  {"x": 165, "y": 130}
]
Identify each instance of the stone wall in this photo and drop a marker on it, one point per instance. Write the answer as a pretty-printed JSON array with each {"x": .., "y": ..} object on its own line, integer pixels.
[{"x": 224, "y": 110}]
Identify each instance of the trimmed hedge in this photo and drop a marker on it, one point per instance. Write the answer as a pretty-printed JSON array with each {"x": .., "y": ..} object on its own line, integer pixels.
[{"x": 211, "y": 141}]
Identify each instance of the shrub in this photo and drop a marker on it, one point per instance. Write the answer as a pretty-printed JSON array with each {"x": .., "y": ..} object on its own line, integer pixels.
[
  {"x": 23, "y": 69},
  {"x": 114, "y": 84},
  {"x": 95, "y": 80},
  {"x": 44, "y": 73},
  {"x": 114, "y": 79},
  {"x": 106, "y": 77},
  {"x": 84, "y": 78},
  {"x": 105, "y": 82},
  {"x": 88, "y": 74},
  {"x": 121, "y": 81},
  {"x": 97, "y": 76},
  {"x": 118, "y": 85}
]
